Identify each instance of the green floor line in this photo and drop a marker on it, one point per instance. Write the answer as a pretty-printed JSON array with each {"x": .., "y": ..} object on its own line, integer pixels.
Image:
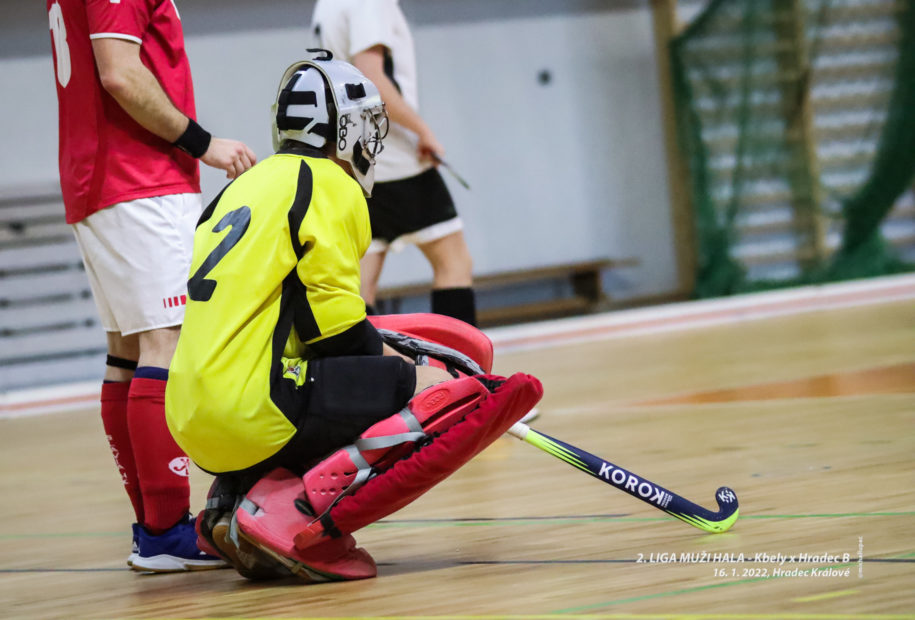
[
  {"x": 634, "y": 616},
  {"x": 63, "y": 535},
  {"x": 641, "y": 616},
  {"x": 827, "y": 515},
  {"x": 611, "y": 518},
  {"x": 513, "y": 521}
]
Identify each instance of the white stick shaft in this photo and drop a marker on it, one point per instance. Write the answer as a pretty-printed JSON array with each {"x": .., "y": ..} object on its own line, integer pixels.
[{"x": 519, "y": 430}]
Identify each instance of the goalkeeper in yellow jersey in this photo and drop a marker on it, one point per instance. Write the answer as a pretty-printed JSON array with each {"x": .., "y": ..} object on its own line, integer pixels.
[
  {"x": 274, "y": 281},
  {"x": 277, "y": 366}
]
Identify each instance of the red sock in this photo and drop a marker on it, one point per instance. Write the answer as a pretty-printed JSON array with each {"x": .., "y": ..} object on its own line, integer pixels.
[
  {"x": 114, "y": 420},
  {"x": 161, "y": 465}
]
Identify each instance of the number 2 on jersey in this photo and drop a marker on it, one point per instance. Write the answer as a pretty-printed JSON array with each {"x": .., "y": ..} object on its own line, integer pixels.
[{"x": 199, "y": 288}]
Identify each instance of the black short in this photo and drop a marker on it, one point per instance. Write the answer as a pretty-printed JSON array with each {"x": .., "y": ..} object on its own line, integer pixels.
[
  {"x": 346, "y": 395},
  {"x": 405, "y": 206}
]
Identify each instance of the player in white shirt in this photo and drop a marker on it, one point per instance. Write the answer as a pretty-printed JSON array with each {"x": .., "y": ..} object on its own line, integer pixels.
[{"x": 410, "y": 202}]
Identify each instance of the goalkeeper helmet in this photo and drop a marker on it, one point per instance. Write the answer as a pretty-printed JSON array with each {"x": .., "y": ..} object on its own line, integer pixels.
[{"x": 328, "y": 104}]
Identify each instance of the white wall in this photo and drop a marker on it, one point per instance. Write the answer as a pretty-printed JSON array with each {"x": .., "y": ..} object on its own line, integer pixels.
[
  {"x": 573, "y": 169},
  {"x": 28, "y": 122}
]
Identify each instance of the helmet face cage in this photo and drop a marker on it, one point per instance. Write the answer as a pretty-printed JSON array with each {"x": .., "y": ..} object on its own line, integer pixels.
[
  {"x": 374, "y": 130},
  {"x": 360, "y": 124}
]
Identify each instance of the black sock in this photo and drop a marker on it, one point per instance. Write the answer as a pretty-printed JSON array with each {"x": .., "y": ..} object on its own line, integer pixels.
[{"x": 455, "y": 302}]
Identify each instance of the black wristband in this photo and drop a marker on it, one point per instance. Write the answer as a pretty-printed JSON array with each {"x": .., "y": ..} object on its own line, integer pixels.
[{"x": 195, "y": 140}]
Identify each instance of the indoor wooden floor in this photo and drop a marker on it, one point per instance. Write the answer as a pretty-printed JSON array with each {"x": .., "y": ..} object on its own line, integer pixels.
[{"x": 808, "y": 417}]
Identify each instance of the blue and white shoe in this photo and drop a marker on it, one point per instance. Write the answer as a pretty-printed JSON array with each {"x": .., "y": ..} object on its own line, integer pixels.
[
  {"x": 135, "y": 546},
  {"x": 173, "y": 551}
]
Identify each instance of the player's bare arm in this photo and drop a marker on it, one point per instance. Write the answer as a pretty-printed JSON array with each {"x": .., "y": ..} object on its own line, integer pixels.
[
  {"x": 230, "y": 155},
  {"x": 136, "y": 89},
  {"x": 388, "y": 350},
  {"x": 426, "y": 376},
  {"x": 371, "y": 63}
]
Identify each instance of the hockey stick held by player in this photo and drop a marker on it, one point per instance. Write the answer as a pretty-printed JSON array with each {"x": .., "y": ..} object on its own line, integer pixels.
[{"x": 279, "y": 376}]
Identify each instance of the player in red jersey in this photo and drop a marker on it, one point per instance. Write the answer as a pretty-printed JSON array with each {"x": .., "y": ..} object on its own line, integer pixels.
[{"x": 129, "y": 145}]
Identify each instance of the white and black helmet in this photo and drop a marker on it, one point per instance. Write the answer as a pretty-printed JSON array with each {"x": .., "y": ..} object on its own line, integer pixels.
[{"x": 324, "y": 100}]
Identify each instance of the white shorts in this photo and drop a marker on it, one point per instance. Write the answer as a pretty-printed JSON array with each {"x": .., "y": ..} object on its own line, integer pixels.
[
  {"x": 137, "y": 256},
  {"x": 420, "y": 237}
]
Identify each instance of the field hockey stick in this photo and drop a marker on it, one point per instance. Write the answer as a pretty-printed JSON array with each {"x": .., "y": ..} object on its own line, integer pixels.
[
  {"x": 636, "y": 486},
  {"x": 457, "y": 177}
]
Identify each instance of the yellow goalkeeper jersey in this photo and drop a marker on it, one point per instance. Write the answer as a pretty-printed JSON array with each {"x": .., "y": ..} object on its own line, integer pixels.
[{"x": 275, "y": 269}]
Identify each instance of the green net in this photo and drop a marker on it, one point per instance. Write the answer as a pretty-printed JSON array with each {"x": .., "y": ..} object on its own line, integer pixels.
[{"x": 797, "y": 120}]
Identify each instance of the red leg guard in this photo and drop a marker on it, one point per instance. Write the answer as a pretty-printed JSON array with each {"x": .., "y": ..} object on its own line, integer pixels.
[
  {"x": 412, "y": 476},
  {"x": 443, "y": 330},
  {"x": 203, "y": 542},
  {"x": 430, "y": 411},
  {"x": 268, "y": 519}
]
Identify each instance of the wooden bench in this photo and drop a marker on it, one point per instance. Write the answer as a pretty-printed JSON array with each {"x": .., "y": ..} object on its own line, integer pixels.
[
  {"x": 49, "y": 326},
  {"x": 565, "y": 290}
]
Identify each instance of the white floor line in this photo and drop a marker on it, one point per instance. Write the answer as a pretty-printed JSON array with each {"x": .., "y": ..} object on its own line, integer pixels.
[
  {"x": 562, "y": 332},
  {"x": 704, "y": 313}
]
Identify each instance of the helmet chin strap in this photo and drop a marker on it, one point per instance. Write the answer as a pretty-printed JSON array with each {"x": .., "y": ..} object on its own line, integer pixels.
[
  {"x": 360, "y": 161},
  {"x": 342, "y": 163}
]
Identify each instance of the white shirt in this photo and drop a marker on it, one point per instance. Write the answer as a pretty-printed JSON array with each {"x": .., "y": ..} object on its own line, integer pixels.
[{"x": 347, "y": 27}]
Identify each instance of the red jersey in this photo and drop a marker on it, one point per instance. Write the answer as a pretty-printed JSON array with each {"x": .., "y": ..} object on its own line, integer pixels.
[{"x": 105, "y": 156}]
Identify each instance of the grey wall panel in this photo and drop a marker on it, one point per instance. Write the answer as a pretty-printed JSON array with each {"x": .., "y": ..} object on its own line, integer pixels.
[
  {"x": 549, "y": 108},
  {"x": 587, "y": 146}
]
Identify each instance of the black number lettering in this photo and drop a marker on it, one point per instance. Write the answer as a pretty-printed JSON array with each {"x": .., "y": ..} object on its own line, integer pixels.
[{"x": 198, "y": 287}]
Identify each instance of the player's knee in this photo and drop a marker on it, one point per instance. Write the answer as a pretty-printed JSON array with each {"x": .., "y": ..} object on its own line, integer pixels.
[
  {"x": 125, "y": 347},
  {"x": 457, "y": 254},
  {"x": 463, "y": 262},
  {"x": 427, "y": 376},
  {"x": 158, "y": 345},
  {"x": 453, "y": 275},
  {"x": 450, "y": 258}
]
